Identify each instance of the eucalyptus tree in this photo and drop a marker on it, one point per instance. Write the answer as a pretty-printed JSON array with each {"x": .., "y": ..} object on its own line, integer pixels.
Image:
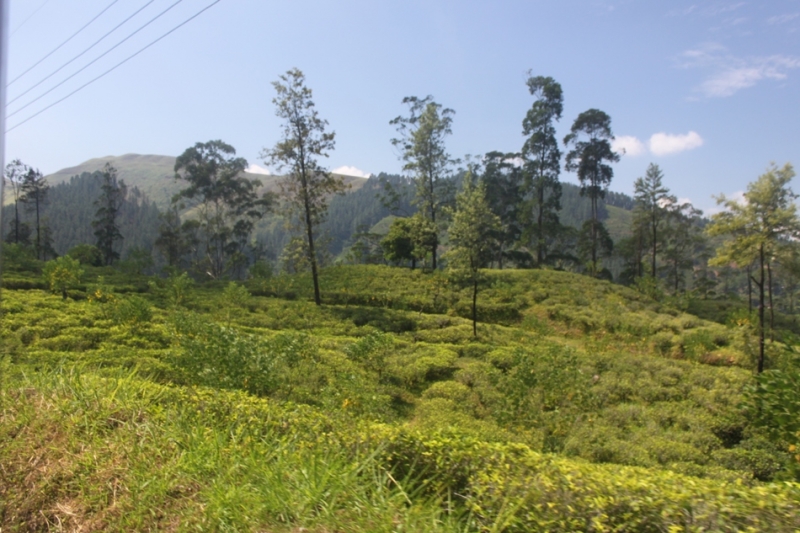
[
  {"x": 34, "y": 195},
  {"x": 307, "y": 185},
  {"x": 542, "y": 162},
  {"x": 503, "y": 177},
  {"x": 759, "y": 228},
  {"x": 652, "y": 205},
  {"x": 223, "y": 203},
  {"x": 590, "y": 138},
  {"x": 106, "y": 224},
  {"x": 682, "y": 241},
  {"x": 14, "y": 173},
  {"x": 421, "y": 141},
  {"x": 470, "y": 234}
]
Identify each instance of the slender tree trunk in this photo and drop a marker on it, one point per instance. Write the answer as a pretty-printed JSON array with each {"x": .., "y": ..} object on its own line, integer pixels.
[
  {"x": 655, "y": 244},
  {"x": 16, "y": 222},
  {"x": 676, "y": 276},
  {"x": 475, "y": 306},
  {"x": 310, "y": 234},
  {"x": 594, "y": 235},
  {"x": 38, "y": 238},
  {"x": 312, "y": 256},
  {"x": 749, "y": 290},
  {"x": 761, "y": 312},
  {"x": 433, "y": 219},
  {"x": 771, "y": 309},
  {"x": 540, "y": 235}
]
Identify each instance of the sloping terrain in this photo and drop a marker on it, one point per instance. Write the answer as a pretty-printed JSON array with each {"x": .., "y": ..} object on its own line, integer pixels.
[
  {"x": 142, "y": 404},
  {"x": 154, "y": 175}
]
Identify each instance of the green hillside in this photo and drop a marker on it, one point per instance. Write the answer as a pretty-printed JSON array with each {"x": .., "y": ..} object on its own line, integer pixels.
[
  {"x": 154, "y": 175},
  {"x": 142, "y": 404}
]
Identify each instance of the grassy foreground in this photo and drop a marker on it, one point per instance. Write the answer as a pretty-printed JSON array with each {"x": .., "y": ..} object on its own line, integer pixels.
[
  {"x": 582, "y": 406},
  {"x": 91, "y": 453}
]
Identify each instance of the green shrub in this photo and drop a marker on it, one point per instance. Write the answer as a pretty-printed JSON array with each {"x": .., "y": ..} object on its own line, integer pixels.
[
  {"x": 86, "y": 254},
  {"x": 133, "y": 311}
]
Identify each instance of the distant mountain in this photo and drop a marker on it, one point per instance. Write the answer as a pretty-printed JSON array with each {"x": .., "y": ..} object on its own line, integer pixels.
[{"x": 154, "y": 175}]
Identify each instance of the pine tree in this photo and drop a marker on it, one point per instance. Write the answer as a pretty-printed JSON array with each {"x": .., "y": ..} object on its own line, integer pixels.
[
  {"x": 105, "y": 223},
  {"x": 34, "y": 196}
]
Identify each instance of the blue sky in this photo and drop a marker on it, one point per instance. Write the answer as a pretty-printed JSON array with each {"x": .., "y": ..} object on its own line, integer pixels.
[{"x": 708, "y": 90}]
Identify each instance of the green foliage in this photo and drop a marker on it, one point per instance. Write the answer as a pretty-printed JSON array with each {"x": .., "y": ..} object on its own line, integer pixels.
[
  {"x": 62, "y": 274},
  {"x": 421, "y": 141},
  {"x": 638, "y": 405},
  {"x": 307, "y": 186},
  {"x": 19, "y": 258},
  {"x": 261, "y": 270},
  {"x": 176, "y": 290},
  {"x": 542, "y": 164},
  {"x": 86, "y": 254},
  {"x": 225, "y": 201},
  {"x": 133, "y": 311},
  {"x": 105, "y": 223},
  {"x": 774, "y": 403},
  {"x": 590, "y": 138}
]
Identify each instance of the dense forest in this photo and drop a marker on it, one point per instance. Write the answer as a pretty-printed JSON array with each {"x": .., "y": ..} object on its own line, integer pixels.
[{"x": 473, "y": 345}]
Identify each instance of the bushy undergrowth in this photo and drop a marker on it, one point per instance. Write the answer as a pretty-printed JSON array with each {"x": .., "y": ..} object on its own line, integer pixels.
[
  {"x": 133, "y": 455},
  {"x": 604, "y": 378}
]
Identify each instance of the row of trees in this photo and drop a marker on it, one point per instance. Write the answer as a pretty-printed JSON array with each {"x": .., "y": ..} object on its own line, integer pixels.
[
  {"x": 31, "y": 193},
  {"x": 523, "y": 188},
  {"x": 222, "y": 205}
]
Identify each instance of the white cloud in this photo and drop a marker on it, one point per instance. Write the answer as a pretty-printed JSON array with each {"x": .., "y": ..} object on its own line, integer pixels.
[
  {"x": 255, "y": 169},
  {"x": 666, "y": 144},
  {"x": 783, "y": 19},
  {"x": 732, "y": 79},
  {"x": 351, "y": 171},
  {"x": 730, "y": 74},
  {"x": 628, "y": 145}
]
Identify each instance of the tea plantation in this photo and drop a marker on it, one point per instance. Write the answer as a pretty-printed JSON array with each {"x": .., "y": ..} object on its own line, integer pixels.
[{"x": 146, "y": 404}]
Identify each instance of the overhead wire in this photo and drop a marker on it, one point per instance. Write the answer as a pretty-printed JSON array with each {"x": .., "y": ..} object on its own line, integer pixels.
[
  {"x": 21, "y": 24},
  {"x": 92, "y": 62},
  {"x": 56, "y": 71},
  {"x": 117, "y": 65},
  {"x": 54, "y": 50}
]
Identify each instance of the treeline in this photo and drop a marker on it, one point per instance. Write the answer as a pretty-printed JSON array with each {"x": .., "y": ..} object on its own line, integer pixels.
[
  {"x": 220, "y": 226},
  {"x": 63, "y": 214}
]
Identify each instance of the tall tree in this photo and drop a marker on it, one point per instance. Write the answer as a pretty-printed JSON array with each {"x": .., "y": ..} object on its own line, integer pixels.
[
  {"x": 307, "y": 186},
  {"x": 421, "y": 141},
  {"x": 105, "y": 223},
  {"x": 759, "y": 227},
  {"x": 470, "y": 234},
  {"x": 14, "y": 174},
  {"x": 682, "y": 241},
  {"x": 542, "y": 161},
  {"x": 590, "y": 138},
  {"x": 227, "y": 204},
  {"x": 503, "y": 179},
  {"x": 34, "y": 195},
  {"x": 652, "y": 201},
  {"x": 169, "y": 241}
]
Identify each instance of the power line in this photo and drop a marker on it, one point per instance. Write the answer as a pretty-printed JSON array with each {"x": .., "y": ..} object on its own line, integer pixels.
[
  {"x": 92, "y": 62},
  {"x": 117, "y": 65},
  {"x": 65, "y": 42},
  {"x": 29, "y": 17},
  {"x": 79, "y": 55}
]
